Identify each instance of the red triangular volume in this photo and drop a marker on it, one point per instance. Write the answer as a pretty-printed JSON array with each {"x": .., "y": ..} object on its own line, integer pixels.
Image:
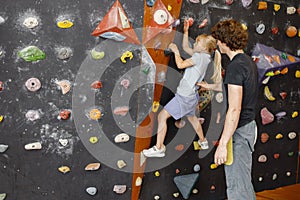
[
  {"x": 115, "y": 25},
  {"x": 161, "y": 20}
]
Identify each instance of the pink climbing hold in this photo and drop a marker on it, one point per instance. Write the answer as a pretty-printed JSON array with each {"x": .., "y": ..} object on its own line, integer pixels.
[
  {"x": 203, "y": 23},
  {"x": 125, "y": 83},
  {"x": 122, "y": 110},
  {"x": 266, "y": 116}
]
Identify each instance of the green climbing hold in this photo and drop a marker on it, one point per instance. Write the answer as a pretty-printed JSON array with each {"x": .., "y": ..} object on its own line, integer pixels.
[
  {"x": 97, "y": 55},
  {"x": 146, "y": 70},
  {"x": 291, "y": 153},
  {"x": 31, "y": 53},
  {"x": 2, "y": 196},
  {"x": 284, "y": 56}
]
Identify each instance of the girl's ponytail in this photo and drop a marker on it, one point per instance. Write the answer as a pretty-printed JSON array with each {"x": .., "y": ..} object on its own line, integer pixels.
[{"x": 217, "y": 75}]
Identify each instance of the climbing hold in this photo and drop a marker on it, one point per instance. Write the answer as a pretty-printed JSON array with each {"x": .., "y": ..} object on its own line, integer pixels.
[
  {"x": 33, "y": 84},
  {"x": 270, "y": 73},
  {"x": 169, "y": 7},
  {"x": 283, "y": 95},
  {"x": 295, "y": 114},
  {"x": 288, "y": 173},
  {"x": 31, "y": 53},
  {"x": 291, "y": 58},
  {"x": 1, "y": 118},
  {"x": 91, "y": 191},
  {"x": 155, "y": 106},
  {"x": 260, "y": 179},
  {"x": 229, "y": 2},
  {"x": 2, "y": 20},
  {"x": 138, "y": 181},
  {"x": 63, "y": 142},
  {"x": 121, "y": 110},
  {"x": 274, "y": 177},
  {"x": 278, "y": 136},
  {"x": 93, "y": 140},
  {"x": 244, "y": 26},
  {"x": 95, "y": 114},
  {"x": 191, "y": 21},
  {"x": 127, "y": 54},
  {"x": 204, "y": 1},
  {"x": 1, "y": 85},
  {"x": 267, "y": 116},
  {"x": 203, "y": 23},
  {"x": 161, "y": 77},
  {"x": 260, "y": 29},
  {"x": 146, "y": 70},
  {"x": 212, "y": 188},
  {"x": 180, "y": 123},
  {"x": 92, "y": 167},
  {"x": 276, "y": 155},
  {"x": 290, "y": 10},
  {"x": 113, "y": 36},
  {"x": 33, "y": 146},
  {"x": 176, "y": 194},
  {"x": 276, "y": 7},
  {"x": 122, "y": 137},
  {"x": 150, "y": 3},
  {"x": 196, "y": 168},
  {"x": 176, "y": 23},
  {"x": 268, "y": 94},
  {"x": 119, "y": 189},
  {"x": 292, "y": 135},
  {"x": 64, "y": 114},
  {"x": 194, "y": 1},
  {"x": 125, "y": 83},
  {"x": 266, "y": 80},
  {"x": 291, "y": 31},
  {"x": 2, "y": 196},
  {"x": 64, "y": 169},
  {"x": 156, "y": 197},
  {"x": 213, "y": 166},
  {"x": 196, "y": 145},
  {"x": 3, "y": 148},
  {"x": 262, "y": 5},
  {"x": 64, "y": 53},
  {"x": 177, "y": 171},
  {"x": 280, "y": 115},
  {"x": 30, "y": 22},
  {"x": 64, "y": 85},
  {"x": 276, "y": 58},
  {"x": 64, "y": 24},
  {"x": 284, "y": 55},
  {"x": 219, "y": 97},
  {"x": 195, "y": 191},
  {"x": 297, "y": 74},
  {"x": 290, "y": 154},
  {"x": 156, "y": 173},
  {"x": 160, "y": 17},
  {"x": 284, "y": 70},
  {"x": 97, "y": 55},
  {"x": 179, "y": 147},
  {"x": 264, "y": 137},
  {"x": 143, "y": 158},
  {"x": 246, "y": 3},
  {"x": 121, "y": 164},
  {"x": 32, "y": 115},
  {"x": 185, "y": 184},
  {"x": 262, "y": 158},
  {"x": 96, "y": 85},
  {"x": 275, "y": 30}
]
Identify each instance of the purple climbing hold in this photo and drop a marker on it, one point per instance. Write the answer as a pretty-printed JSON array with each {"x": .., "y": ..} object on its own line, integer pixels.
[{"x": 246, "y": 3}]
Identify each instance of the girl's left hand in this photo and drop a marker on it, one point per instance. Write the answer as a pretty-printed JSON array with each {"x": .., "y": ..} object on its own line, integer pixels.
[{"x": 174, "y": 48}]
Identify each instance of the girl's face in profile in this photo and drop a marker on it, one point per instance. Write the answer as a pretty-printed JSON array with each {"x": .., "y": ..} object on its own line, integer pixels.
[{"x": 199, "y": 46}]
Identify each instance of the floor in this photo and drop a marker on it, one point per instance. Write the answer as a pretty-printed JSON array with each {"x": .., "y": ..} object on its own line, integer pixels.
[{"x": 290, "y": 192}]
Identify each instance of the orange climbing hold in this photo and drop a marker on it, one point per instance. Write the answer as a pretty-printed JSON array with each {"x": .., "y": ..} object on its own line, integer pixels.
[{"x": 262, "y": 5}]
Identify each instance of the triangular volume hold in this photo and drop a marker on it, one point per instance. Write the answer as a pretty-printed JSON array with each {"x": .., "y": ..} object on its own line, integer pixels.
[
  {"x": 115, "y": 25},
  {"x": 185, "y": 184},
  {"x": 161, "y": 20}
]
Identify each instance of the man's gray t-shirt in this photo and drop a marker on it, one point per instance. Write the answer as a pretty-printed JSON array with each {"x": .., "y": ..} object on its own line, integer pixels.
[{"x": 187, "y": 86}]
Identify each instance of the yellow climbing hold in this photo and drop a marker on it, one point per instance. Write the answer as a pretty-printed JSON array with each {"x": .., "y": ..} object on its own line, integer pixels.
[
  {"x": 169, "y": 8},
  {"x": 155, "y": 106},
  {"x": 279, "y": 136},
  {"x": 276, "y": 7},
  {"x": 157, "y": 174},
  {"x": 213, "y": 166},
  {"x": 297, "y": 74},
  {"x": 271, "y": 73},
  {"x": 95, "y": 114},
  {"x": 295, "y": 114},
  {"x": 64, "y": 169},
  {"x": 196, "y": 145},
  {"x": 127, "y": 54},
  {"x": 244, "y": 26},
  {"x": 1, "y": 118},
  {"x": 65, "y": 24},
  {"x": 268, "y": 94},
  {"x": 93, "y": 140}
]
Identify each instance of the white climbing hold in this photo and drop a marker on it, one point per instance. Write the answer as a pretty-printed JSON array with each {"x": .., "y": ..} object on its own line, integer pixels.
[
  {"x": 2, "y": 20},
  {"x": 33, "y": 146},
  {"x": 33, "y": 84},
  {"x": 122, "y": 137},
  {"x": 292, "y": 135},
  {"x": 30, "y": 22},
  {"x": 2, "y": 196},
  {"x": 119, "y": 189},
  {"x": 92, "y": 167},
  {"x": 219, "y": 97},
  {"x": 91, "y": 191},
  {"x": 156, "y": 197},
  {"x": 3, "y": 148},
  {"x": 121, "y": 164},
  {"x": 64, "y": 85},
  {"x": 138, "y": 181},
  {"x": 32, "y": 115},
  {"x": 63, "y": 142}
]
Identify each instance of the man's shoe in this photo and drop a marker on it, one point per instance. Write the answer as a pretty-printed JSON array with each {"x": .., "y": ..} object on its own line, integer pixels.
[
  {"x": 155, "y": 152},
  {"x": 203, "y": 144}
]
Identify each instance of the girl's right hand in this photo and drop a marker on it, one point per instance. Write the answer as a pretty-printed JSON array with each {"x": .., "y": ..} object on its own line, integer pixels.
[{"x": 186, "y": 26}]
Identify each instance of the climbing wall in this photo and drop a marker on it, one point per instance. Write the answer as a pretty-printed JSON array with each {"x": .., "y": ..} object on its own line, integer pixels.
[{"x": 81, "y": 83}]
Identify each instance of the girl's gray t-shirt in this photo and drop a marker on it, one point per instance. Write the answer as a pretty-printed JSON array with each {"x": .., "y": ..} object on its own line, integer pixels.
[{"x": 187, "y": 85}]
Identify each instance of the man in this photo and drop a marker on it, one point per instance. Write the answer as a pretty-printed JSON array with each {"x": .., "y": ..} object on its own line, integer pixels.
[{"x": 241, "y": 87}]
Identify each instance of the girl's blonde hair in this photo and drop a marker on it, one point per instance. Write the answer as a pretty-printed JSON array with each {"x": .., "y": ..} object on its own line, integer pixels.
[{"x": 211, "y": 44}]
